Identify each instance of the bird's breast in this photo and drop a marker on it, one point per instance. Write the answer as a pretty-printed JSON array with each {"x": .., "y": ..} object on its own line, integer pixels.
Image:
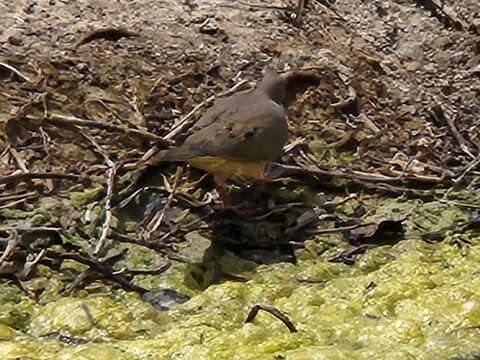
[{"x": 224, "y": 168}]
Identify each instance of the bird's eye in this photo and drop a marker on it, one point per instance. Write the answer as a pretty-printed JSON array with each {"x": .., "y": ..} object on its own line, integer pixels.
[{"x": 251, "y": 132}]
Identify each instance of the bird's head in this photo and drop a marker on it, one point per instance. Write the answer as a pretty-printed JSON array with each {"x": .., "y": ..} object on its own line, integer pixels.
[{"x": 274, "y": 85}]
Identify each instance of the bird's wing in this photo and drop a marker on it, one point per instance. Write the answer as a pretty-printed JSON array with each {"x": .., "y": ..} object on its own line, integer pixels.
[{"x": 244, "y": 130}]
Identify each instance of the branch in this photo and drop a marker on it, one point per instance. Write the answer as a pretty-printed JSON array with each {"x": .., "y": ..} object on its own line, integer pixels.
[
  {"x": 16, "y": 72},
  {"x": 272, "y": 310},
  {"x": 73, "y": 120},
  {"x": 111, "y": 172},
  {"x": 39, "y": 175},
  {"x": 98, "y": 266}
]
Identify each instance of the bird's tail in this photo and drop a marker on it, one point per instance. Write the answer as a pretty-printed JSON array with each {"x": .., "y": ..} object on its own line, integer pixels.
[
  {"x": 181, "y": 153},
  {"x": 138, "y": 169}
]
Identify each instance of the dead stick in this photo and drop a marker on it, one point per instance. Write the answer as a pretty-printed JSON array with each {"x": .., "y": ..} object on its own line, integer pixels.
[
  {"x": 256, "y": 6},
  {"x": 39, "y": 175},
  {"x": 31, "y": 264},
  {"x": 272, "y": 310},
  {"x": 299, "y": 11},
  {"x": 340, "y": 229},
  {"x": 22, "y": 229},
  {"x": 127, "y": 200},
  {"x": 20, "y": 162},
  {"x": 157, "y": 271},
  {"x": 73, "y": 120},
  {"x": 468, "y": 169},
  {"x": 437, "y": 112},
  {"x": 157, "y": 221},
  {"x": 12, "y": 204},
  {"x": 111, "y": 173},
  {"x": 460, "y": 139},
  {"x": 15, "y": 71},
  {"x": 12, "y": 243},
  {"x": 154, "y": 245},
  {"x": 98, "y": 266},
  {"x": 14, "y": 197}
]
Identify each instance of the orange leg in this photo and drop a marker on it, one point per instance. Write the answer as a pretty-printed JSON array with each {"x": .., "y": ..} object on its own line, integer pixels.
[
  {"x": 222, "y": 191},
  {"x": 227, "y": 204},
  {"x": 262, "y": 181},
  {"x": 225, "y": 197}
]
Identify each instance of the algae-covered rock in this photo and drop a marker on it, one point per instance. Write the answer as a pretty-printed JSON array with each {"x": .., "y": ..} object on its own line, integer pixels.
[
  {"x": 82, "y": 198},
  {"x": 321, "y": 353},
  {"x": 392, "y": 300},
  {"x": 7, "y": 333},
  {"x": 20, "y": 350},
  {"x": 196, "y": 247},
  {"x": 16, "y": 314},
  {"x": 93, "y": 317},
  {"x": 94, "y": 352}
]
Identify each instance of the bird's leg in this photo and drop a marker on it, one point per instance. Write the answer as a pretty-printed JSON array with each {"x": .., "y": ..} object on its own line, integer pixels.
[
  {"x": 222, "y": 191},
  {"x": 227, "y": 204},
  {"x": 225, "y": 197},
  {"x": 262, "y": 181}
]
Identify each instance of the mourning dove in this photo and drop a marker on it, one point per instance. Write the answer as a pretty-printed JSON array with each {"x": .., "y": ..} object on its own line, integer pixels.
[{"x": 239, "y": 135}]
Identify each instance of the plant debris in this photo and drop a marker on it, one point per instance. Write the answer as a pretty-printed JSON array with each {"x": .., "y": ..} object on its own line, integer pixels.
[
  {"x": 111, "y": 34},
  {"x": 272, "y": 310}
]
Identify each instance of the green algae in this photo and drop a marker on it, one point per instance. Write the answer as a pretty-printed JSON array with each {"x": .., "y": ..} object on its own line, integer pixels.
[
  {"x": 7, "y": 333},
  {"x": 83, "y": 198},
  {"x": 410, "y": 300},
  {"x": 333, "y": 154},
  {"x": 403, "y": 314},
  {"x": 111, "y": 319}
]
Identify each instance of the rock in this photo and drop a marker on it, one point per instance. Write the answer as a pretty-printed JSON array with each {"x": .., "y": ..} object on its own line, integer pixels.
[
  {"x": 15, "y": 40},
  {"x": 164, "y": 299}
]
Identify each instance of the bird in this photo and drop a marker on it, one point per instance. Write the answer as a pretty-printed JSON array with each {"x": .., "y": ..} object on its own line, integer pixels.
[{"x": 241, "y": 134}]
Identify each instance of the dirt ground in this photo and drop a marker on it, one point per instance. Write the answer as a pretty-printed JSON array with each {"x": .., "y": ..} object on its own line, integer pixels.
[
  {"x": 413, "y": 73},
  {"x": 395, "y": 117}
]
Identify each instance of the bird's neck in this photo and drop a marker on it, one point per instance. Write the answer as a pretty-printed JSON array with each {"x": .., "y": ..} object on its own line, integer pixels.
[{"x": 274, "y": 86}]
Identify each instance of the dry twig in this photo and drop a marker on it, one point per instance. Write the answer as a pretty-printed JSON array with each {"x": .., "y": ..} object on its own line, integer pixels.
[
  {"x": 12, "y": 243},
  {"x": 39, "y": 175},
  {"x": 30, "y": 265},
  {"x": 272, "y": 310},
  {"x": 437, "y": 112},
  {"x": 470, "y": 167},
  {"x": 101, "y": 267},
  {"x": 299, "y": 11},
  {"x": 14, "y": 197},
  {"x": 155, "y": 223},
  {"x": 255, "y": 6},
  {"x": 111, "y": 34},
  {"x": 18, "y": 159},
  {"x": 15, "y": 71},
  {"x": 157, "y": 245},
  {"x": 73, "y": 120},
  {"x": 111, "y": 173}
]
